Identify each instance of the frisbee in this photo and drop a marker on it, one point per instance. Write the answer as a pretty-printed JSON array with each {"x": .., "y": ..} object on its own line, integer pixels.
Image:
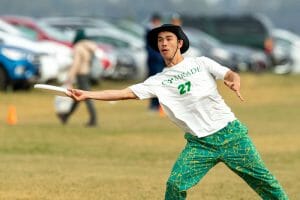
[{"x": 61, "y": 91}]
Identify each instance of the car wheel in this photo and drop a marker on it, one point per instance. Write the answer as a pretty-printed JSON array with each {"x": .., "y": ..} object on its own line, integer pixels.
[
  {"x": 258, "y": 67},
  {"x": 3, "y": 79},
  {"x": 21, "y": 85}
]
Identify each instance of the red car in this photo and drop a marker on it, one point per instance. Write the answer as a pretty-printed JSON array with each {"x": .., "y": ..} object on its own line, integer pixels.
[{"x": 38, "y": 30}]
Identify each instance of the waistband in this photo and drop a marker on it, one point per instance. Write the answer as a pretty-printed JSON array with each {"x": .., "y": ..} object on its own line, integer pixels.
[{"x": 232, "y": 130}]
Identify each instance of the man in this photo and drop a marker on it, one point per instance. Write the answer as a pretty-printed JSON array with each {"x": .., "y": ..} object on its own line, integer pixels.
[
  {"x": 155, "y": 61},
  {"x": 84, "y": 51},
  {"x": 187, "y": 91},
  {"x": 176, "y": 19}
]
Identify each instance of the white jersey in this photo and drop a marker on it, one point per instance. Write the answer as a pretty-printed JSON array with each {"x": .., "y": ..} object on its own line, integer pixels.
[{"x": 188, "y": 94}]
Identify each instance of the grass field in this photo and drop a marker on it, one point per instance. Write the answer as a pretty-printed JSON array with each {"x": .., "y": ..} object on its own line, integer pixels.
[{"x": 129, "y": 156}]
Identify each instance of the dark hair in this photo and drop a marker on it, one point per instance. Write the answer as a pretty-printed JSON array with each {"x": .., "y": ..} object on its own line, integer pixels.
[
  {"x": 80, "y": 35},
  {"x": 153, "y": 34},
  {"x": 155, "y": 16}
]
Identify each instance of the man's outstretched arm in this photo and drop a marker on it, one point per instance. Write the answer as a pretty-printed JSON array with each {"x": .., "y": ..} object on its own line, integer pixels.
[{"x": 103, "y": 95}]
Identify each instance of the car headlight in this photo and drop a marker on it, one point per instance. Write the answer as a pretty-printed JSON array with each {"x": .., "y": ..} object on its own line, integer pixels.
[
  {"x": 13, "y": 54},
  {"x": 19, "y": 70}
]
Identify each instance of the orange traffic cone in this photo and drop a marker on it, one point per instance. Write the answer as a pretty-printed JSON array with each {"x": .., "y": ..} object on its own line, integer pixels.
[
  {"x": 12, "y": 115},
  {"x": 161, "y": 112}
]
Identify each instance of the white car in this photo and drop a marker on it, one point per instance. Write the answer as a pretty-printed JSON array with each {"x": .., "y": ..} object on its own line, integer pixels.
[
  {"x": 59, "y": 59},
  {"x": 286, "y": 51},
  {"x": 55, "y": 58},
  {"x": 8, "y": 28},
  {"x": 134, "y": 46},
  {"x": 126, "y": 59}
]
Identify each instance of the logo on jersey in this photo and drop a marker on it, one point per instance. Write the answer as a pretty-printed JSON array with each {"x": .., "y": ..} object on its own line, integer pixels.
[{"x": 181, "y": 76}]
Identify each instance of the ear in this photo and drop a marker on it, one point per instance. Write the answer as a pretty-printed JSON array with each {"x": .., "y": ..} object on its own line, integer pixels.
[{"x": 180, "y": 43}]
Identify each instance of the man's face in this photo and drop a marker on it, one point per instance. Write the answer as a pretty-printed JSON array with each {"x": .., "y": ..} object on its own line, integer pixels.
[{"x": 168, "y": 43}]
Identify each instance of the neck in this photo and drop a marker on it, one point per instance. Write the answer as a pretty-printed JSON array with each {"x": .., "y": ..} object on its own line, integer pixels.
[{"x": 174, "y": 61}]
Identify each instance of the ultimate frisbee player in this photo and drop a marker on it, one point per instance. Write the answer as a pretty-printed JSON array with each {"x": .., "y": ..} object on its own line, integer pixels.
[{"x": 187, "y": 92}]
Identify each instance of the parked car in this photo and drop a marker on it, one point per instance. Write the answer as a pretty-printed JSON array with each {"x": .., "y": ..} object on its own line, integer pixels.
[
  {"x": 68, "y": 25},
  {"x": 8, "y": 28},
  {"x": 125, "y": 66},
  {"x": 237, "y": 57},
  {"x": 131, "y": 27},
  {"x": 119, "y": 64},
  {"x": 253, "y": 31},
  {"x": 286, "y": 51},
  {"x": 55, "y": 58},
  {"x": 129, "y": 50},
  {"x": 37, "y": 30},
  {"x": 19, "y": 68}
]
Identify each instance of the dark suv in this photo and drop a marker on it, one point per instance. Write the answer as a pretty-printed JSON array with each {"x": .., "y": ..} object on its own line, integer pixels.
[{"x": 248, "y": 30}]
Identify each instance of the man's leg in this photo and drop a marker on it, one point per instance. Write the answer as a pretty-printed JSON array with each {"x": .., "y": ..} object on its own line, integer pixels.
[
  {"x": 154, "y": 104},
  {"x": 192, "y": 164},
  {"x": 242, "y": 157},
  {"x": 83, "y": 84}
]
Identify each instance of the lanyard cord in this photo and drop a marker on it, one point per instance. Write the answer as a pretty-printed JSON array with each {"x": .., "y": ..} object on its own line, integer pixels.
[{"x": 171, "y": 62}]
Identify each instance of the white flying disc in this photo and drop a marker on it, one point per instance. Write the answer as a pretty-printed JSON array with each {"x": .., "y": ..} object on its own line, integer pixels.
[{"x": 61, "y": 91}]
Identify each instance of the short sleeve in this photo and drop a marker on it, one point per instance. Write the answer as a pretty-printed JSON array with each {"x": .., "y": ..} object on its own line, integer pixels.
[
  {"x": 217, "y": 70},
  {"x": 143, "y": 90}
]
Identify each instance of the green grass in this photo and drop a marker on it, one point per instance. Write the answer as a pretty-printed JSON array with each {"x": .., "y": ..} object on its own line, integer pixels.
[{"x": 129, "y": 156}]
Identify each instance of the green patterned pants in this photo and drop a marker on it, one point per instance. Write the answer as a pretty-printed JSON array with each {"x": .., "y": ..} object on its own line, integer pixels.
[{"x": 230, "y": 145}]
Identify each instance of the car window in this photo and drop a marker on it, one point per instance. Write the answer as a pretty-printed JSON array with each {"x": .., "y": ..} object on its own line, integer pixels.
[
  {"x": 285, "y": 44},
  {"x": 53, "y": 32},
  {"x": 248, "y": 30},
  {"x": 238, "y": 27},
  {"x": 28, "y": 32},
  {"x": 109, "y": 40}
]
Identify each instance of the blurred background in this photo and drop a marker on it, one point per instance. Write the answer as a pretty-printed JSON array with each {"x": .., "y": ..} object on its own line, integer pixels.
[
  {"x": 284, "y": 12},
  {"x": 43, "y": 159},
  {"x": 36, "y": 40}
]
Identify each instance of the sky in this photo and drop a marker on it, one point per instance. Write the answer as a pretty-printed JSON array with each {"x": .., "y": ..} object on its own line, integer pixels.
[{"x": 284, "y": 13}]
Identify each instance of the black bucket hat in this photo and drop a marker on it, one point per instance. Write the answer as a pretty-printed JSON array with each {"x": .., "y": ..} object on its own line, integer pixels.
[{"x": 153, "y": 34}]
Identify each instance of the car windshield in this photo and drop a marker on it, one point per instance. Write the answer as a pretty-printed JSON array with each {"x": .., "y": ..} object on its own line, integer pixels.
[
  {"x": 132, "y": 28},
  {"x": 109, "y": 40},
  {"x": 55, "y": 33},
  {"x": 27, "y": 33},
  {"x": 200, "y": 38}
]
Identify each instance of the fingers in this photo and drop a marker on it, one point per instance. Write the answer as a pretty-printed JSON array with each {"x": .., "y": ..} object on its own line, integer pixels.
[
  {"x": 227, "y": 83},
  {"x": 75, "y": 94},
  {"x": 69, "y": 92},
  {"x": 239, "y": 95},
  {"x": 231, "y": 85},
  {"x": 235, "y": 88}
]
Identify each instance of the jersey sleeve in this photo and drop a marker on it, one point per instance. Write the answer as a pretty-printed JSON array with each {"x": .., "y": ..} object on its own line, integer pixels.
[
  {"x": 143, "y": 90},
  {"x": 217, "y": 70}
]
